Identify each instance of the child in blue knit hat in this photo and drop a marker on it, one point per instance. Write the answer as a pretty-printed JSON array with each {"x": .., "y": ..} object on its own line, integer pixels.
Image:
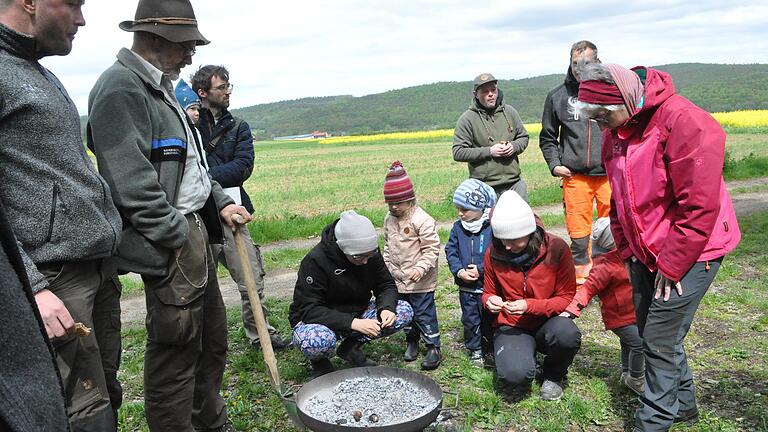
[
  {"x": 470, "y": 237},
  {"x": 188, "y": 100}
]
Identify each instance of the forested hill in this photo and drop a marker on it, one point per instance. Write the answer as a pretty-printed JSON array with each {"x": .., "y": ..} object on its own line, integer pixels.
[{"x": 714, "y": 87}]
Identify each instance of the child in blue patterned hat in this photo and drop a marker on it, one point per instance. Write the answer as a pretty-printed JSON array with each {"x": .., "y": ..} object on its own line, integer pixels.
[
  {"x": 188, "y": 100},
  {"x": 470, "y": 237}
]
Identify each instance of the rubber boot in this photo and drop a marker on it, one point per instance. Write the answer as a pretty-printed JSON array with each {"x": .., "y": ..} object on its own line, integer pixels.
[
  {"x": 412, "y": 349},
  {"x": 432, "y": 358},
  {"x": 351, "y": 351}
]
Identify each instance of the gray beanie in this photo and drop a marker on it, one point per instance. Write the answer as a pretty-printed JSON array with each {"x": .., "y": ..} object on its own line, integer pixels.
[
  {"x": 602, "y": 238},
  {"x": 512, "y": 217},
  {"x": 355, "y": 234}
]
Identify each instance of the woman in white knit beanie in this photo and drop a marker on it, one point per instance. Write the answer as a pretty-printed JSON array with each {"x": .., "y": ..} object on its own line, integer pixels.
[{"x": 529, "y": 281}]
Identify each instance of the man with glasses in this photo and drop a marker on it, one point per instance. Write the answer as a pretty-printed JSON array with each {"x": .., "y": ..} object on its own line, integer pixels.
[
  {"x": 228, "y": 143},
  {"x": 66, "y": 225},
  {"x": 332, "y": 297},
  {"x": 571, "y": 147},
  {"x": 148, "y": 152}
]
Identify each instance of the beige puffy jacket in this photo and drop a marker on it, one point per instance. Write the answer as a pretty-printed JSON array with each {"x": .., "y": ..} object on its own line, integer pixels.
[{"x": 412, "y": 243}]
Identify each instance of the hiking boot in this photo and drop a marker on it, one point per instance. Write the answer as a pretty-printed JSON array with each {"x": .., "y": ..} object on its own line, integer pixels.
[
  {"x": 411, "y": 351},
  {"x": 432, "y": 358},
  {"x": 551, "y": 390},
  {"x": 278, "y": 343},
  {"x": 688, "y": 417},
  {"x": 321, "y": 367},
  {"x": 226, "y": 427},
  {"x": 489, "y": 360},
  {"x": 351, "y": 351},
  {"x": 476, "y": 357},
  {"x": 637, "y": 385}
]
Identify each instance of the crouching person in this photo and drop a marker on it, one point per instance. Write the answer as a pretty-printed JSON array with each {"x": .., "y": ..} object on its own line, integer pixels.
[
  {"x": 529, "y": 281},
  {"x": 332, "y": 298}
]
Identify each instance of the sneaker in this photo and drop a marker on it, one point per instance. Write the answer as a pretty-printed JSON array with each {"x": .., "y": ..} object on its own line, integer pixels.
[
  {"x": 476, "y": 357},
  {"x": 551, "y": 390},
  {"x": 688, "y": 417},
  {"x": 321, "y": 367},
  {"x": 637, "y": 385},
  {"x": 411, "y": 351},
  {"x": 432, "y": 359},
  {"x": 351, "y": 351}
]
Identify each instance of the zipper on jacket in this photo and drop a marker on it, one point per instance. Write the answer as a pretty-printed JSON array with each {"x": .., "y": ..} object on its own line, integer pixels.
[
  {"x": 589, "y": 143},
  {"x": 53, "y": 212},
  {"x": 525, "y": 282},
  {"x": 472, "y": 250}
]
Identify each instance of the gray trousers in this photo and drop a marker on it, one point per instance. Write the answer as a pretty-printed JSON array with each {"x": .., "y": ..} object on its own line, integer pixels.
[
  {"x": 226, "y": 254},
  {"x": 87, "y": 401},
  {"x": 107, "y": 326},
  {"x": 663, "y": 325},
  {"x": 186, "y": 340},
  {"x": 632, "y": 357},
  {"x": 520, "y": 187}
]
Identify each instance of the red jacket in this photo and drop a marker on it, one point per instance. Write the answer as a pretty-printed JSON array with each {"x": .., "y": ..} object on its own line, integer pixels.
[
  {"x": 669, "y": 204},
  {"x": 608, "y": 280},
  {"x": 548, "y": 286}
]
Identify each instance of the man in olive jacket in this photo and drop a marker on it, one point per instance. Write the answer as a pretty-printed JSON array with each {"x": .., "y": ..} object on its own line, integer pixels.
[
  {"x": 149, "y": 154},
  {"x": 489, "y": 136}
]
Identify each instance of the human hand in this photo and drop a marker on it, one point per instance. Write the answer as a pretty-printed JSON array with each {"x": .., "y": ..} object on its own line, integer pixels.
[
  {"x": 368, "y": 327},
  {"x": 473, "y": 271},
  {"x": 494, "y": 304},
  {"x": 562, "y": 171},
  {"x": 664, "y": 285},
  {"x": 230, "y": 213},
  {"x": 387, "y": 318},
  {"x": 517, "y": 307},
  {"x": 466, "y": 276},
  {"x": 414, "y": 275},
  {"x": 502, "y": 149},
  {"x": 56, "y": 318}
]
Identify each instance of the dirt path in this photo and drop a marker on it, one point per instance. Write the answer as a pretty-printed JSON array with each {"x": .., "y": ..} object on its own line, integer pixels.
[{"x": 279, "y": 284}]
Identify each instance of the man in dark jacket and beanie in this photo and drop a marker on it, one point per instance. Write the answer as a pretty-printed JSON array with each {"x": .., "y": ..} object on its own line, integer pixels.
[
  {"x": 148, "y": 152},
  {"x": 571, "y": 146},
  {"x": 332, "y": 297},
  {"x": 489, "y": 136},
  {"x": 31, "y": 395},
  {"x": 60, "y": 208},
  {"x": 228, "y": 144}
]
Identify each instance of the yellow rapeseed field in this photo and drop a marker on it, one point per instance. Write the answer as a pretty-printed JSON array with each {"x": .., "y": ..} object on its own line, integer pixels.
[
  {"x": 743, "y": 119},
  {"x": 437, "y": 135}
]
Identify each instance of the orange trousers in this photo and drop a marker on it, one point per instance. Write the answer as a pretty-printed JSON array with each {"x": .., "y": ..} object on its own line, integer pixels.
[{"x": 580, "y": 192}]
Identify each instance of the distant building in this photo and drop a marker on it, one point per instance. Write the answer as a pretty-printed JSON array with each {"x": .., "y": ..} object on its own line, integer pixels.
[{"x": 309, "y": 136}]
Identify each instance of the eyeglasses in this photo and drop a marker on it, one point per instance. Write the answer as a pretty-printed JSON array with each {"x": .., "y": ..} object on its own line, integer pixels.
[
  {"x": 225, "y": 88},
  {"x": 365, "y": 256}
]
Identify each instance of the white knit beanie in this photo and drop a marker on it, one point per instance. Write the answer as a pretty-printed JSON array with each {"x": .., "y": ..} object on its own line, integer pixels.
[
  {"x": 512, "y": 217},
  {"x": 355, "y": 234}
]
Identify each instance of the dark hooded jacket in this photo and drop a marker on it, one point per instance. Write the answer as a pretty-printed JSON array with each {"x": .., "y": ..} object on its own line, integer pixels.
[
  {"x": 568, "y": 140},
  {"x": 332, "y": 291},
  {"x": 480, "y": 128}
]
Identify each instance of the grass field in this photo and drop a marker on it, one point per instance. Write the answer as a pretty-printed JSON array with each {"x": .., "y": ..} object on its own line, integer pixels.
[
  {"x": 299, "y": 187},
  {"x": 727, "y": 348}
]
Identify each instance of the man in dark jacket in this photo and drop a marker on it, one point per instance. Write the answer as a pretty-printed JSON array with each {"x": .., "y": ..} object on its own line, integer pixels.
[
  {"x": 571, "y": 147},
  {"x": 489, "y": 136},
  {"x": 228, "y": 144},
  {"x": 60, "y": 208},
  {"x": 147, "y": 150},
  {"x": 332, "y": 297},
  {"x": 31, "y": 395}
]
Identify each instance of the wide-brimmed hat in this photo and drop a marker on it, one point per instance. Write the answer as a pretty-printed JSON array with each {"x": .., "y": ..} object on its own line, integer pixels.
[{"x": 173, "y": 20}]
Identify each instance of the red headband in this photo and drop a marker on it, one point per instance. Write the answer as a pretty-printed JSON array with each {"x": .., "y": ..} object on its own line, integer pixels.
[{"x": 601, "y": 93}]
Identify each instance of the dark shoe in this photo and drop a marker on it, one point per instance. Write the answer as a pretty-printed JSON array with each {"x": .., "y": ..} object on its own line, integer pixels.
[
  {"x": 321, "y": 367},
  {"x": 351, "y": 351},
  {"x": 432, "y": 359},
  {"x": 411, "y": 351},
  {"x": 489, "y": 361},
  {"x": 226, "y": 427},
  {"x": 278, "y": 343},
  {"x": 551, "y": 390},
  {"x": 688, "y": 417}
]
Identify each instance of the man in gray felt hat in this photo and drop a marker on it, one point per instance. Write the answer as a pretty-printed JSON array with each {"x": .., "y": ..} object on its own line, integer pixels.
[{"x": 148, "y": 152}]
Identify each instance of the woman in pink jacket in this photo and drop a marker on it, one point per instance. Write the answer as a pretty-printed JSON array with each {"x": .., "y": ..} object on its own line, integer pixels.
[{"x": 671, "y": 217}]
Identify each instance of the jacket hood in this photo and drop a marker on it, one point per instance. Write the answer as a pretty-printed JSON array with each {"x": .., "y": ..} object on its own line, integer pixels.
[
  {"x": 570, "y": 79},
  {"x": 475, "y": 105},
  {"x": 658, "y": 87}
]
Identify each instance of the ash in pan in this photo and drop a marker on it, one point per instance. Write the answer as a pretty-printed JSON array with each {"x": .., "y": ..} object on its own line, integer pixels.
[{"x": 370, "y": 402}]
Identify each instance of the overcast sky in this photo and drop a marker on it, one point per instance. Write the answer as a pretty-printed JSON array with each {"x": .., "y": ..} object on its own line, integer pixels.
[{"x": 278, "y": 50}]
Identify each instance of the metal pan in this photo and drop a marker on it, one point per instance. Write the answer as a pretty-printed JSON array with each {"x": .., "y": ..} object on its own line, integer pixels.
[{"x": 330, "y": 381}]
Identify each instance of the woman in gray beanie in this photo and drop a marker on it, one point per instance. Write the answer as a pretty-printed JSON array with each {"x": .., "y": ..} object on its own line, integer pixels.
[{"x": 332, "y": 298}]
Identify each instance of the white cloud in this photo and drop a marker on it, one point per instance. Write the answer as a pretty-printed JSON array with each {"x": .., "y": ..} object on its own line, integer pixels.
[{"x": 293, "y": 49}]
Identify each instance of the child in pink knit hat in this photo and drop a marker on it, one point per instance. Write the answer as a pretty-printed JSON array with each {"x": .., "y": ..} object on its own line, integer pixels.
[{"x": 410, "y": 251}]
